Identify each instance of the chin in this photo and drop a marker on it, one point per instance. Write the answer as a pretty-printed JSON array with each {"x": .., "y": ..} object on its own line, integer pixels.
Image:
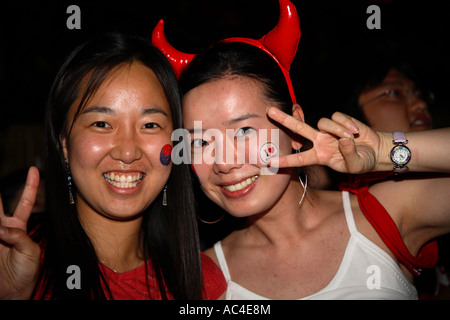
[
  {"x": 243, "y": 210},
  {"x": 124, "y": 213}
]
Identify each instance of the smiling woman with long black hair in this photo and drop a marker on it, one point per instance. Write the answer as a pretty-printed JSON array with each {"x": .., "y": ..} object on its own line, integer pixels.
[{"x": 116, "y": 207}]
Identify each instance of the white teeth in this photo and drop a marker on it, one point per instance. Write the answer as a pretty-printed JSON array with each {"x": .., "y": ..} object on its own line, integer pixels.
[
  {"x": 241, "y": 185},
  {"x": 123, "y": 181}
]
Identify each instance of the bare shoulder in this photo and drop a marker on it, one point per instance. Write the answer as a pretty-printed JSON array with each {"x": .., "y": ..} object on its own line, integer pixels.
[{"x": 210, "y": 252}]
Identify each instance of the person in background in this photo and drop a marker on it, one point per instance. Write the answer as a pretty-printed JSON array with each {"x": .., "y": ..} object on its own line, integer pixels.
[{"x": 389, "y": 95}]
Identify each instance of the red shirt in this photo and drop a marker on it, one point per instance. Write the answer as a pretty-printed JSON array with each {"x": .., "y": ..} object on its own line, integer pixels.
[{"x": 132, "y": 285}]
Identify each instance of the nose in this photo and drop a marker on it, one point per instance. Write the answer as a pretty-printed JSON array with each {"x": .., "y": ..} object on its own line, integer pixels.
[
  {"x": 225, "y": 167},
  {"x": 417, "y": 105},
  {"x": 126, "y": 147},
  {"x": 227, "y": 156}
]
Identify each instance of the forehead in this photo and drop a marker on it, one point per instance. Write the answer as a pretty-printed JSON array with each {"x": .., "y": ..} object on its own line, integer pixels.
[
  {"x": 133, "y": 78},
  {"x": 395, "y": 77},
  {"x": 132, "y": 82},
  {"x": 224, "y": 97}
]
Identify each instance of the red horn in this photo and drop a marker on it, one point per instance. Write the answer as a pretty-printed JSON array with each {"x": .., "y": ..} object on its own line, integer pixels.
[
  {"x": 179, "y": 60},
  {"x": 282, "y": 41}
]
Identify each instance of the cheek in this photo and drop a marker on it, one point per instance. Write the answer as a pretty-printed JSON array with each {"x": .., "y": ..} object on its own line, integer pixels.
[
  {"x": 159, "y": 152},
  {"x": 268, "y": 151},
  {"x": 202, "y": 172},
  {"x": 271, "y": 145},
  {"x": 86, "y": 152},
  {"x": 385, "y": 116},
  {"x": 165, "y": 155}
]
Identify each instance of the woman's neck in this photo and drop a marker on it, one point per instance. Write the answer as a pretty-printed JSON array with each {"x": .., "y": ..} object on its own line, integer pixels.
[
  {"x": 287, "y": 219},
  {"x": 117, "y": 243}
]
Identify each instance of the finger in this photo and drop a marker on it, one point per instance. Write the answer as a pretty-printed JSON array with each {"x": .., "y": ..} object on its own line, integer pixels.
[
  {"x": 19, "y": 240},
  {"x": 293, "y": 124},
  {"x": 352, "y": 160},
  {"x": 334, "y": 128},
  {"x": 28, "y": 198},
  {"x": 304, "y": 158},
  {"x": 346, "y": 121},
  {"x": 292, "y": 160}
]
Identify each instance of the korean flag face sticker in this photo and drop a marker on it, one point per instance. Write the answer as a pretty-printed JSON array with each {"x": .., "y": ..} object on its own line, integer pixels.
[
  {"x": 267, "y": 151},
  {"x": 165, "y": 155}
]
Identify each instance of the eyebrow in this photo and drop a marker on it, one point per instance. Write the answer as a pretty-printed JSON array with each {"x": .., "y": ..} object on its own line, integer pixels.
[
  {"x": 393, "y": 83},
  {"x": 98, "y": 109},
  {"x": 107, "y": 110},
  {"x": 231, "y": 122},
  {"x": 240, "y": 119}
]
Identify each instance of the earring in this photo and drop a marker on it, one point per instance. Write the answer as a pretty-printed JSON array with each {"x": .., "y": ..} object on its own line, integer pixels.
[
  {"x": 69, "y": 184},
  {"x": 304, "y": 185},
  {"x": 164, "y": 201},
  {"x": 211, "y": 222}
]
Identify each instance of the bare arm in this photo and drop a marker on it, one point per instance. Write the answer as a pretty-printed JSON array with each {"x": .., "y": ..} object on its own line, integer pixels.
[
  {"x": 430, "y": 150},
  {"x": 347, "y": 145}
]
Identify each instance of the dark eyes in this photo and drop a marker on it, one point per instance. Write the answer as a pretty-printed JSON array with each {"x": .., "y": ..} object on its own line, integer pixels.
[
  {"x": 103, "y": 124},
  {"x": 151, "y": 125},
  {"x": 393, "y": 93},
  {"x": 242, "y": 132}
]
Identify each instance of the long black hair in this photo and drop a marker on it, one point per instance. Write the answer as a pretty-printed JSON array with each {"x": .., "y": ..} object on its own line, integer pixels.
[{"x": 169, "y": 235}]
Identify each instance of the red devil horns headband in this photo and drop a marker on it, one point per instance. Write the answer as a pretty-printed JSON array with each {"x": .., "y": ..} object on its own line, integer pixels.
[{"x": 280, "y": 43}]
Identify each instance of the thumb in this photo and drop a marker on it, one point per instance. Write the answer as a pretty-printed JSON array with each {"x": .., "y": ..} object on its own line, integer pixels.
[{"x": 352, "y": 159}]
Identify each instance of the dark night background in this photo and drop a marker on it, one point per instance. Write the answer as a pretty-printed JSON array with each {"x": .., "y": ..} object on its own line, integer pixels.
[{"x": 35, "y": 40}]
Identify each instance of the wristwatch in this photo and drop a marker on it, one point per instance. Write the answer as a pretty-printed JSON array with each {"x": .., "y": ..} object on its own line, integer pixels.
[{"x": 400, "y": 154}]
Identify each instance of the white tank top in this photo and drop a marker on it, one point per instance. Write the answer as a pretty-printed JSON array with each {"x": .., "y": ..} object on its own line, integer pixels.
[{"x": 366, "y": 272}]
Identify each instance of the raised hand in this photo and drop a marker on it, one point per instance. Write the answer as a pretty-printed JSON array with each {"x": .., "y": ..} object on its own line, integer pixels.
[
  {"x": 341, "y": 143},
  {"x": 19, "y": 255}
]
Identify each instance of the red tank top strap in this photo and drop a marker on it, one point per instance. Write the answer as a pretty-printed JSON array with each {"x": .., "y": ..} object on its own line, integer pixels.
[{"x": 386, "y": 228}]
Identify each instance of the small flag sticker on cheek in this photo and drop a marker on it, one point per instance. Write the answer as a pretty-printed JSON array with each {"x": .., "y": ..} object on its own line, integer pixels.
[
  {"x": 268, "y": 151},
  {"x": 166, "y": 155}
]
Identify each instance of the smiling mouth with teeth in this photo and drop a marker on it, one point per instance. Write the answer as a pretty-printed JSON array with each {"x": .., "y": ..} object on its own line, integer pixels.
[
  {"x": 241, "y": 185},
  {"x": 124, "y": 181}
]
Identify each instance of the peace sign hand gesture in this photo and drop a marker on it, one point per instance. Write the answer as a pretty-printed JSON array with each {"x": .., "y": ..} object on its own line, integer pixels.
[
  {"x": 19, "y": 255},
  {"x": 341, "y": 143}
]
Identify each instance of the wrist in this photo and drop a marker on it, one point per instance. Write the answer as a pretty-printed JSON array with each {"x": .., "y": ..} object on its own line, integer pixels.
[{"x": 384, "y": 162}]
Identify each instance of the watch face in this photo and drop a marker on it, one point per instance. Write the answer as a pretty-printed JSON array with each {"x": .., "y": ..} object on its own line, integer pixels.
[{"x": 400, "y": 155}]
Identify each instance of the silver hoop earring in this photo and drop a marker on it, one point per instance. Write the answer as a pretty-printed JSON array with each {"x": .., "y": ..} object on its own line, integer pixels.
[{"x": 304, "y": 185}]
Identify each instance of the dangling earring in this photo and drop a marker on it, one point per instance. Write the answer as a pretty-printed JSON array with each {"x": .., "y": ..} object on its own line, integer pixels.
[
  {"x": 304, "y": 185},
  {"x": 69, "y": 184},
  {"x": 164, "y": 201}
]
